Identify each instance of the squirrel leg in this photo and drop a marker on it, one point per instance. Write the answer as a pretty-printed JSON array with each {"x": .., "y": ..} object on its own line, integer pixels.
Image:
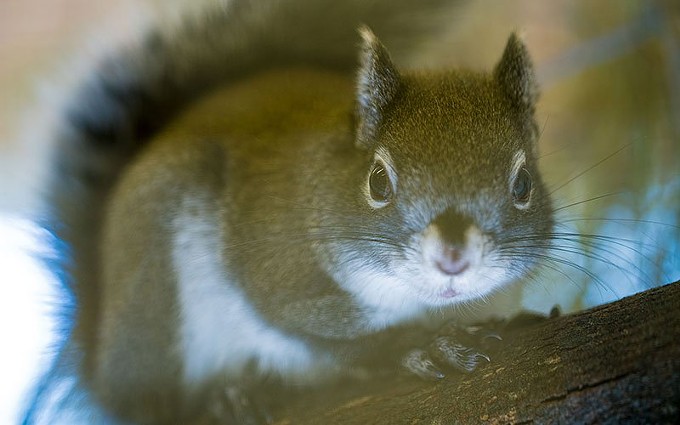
[{"x": 231, "y": 404}]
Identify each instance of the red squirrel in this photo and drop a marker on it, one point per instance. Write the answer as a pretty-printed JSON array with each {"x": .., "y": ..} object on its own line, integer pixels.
[{"x": 263, "y": 192}]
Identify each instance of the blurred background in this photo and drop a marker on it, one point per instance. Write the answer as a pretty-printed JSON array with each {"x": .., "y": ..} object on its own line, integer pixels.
[{"x": 610, "y": 145}]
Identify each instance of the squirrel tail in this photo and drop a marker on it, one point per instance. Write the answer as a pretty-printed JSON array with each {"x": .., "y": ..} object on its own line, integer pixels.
[{"x": 134, "y": 91}]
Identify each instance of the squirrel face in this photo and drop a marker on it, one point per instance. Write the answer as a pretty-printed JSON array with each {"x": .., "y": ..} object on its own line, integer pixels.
[
  {"x": 456, "y": 159},
  {"x": 452, "y": 187}
]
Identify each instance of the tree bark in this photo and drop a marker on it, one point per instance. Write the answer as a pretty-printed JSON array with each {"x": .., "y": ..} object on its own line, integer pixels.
[{"x": 617, "y": 363}]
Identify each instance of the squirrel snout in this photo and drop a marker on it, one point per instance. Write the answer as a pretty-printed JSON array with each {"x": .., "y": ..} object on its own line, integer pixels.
[
  {"x": 452, "y": 260},
  {"x": 451, "y": 244}
]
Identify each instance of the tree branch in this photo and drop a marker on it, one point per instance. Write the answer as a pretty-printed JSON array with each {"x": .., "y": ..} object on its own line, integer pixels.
[{"x": 617, "y": 363}]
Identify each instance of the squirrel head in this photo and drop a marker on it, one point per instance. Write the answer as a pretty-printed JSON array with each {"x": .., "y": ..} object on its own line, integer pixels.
[{"x": 451, "y": 183}]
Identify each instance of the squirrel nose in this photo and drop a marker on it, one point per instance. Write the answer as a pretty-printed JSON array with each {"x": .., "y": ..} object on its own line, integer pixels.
[{"x": 451, "y": 260}]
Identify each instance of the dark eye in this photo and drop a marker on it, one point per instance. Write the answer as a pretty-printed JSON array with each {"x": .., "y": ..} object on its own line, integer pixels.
[
  {"x": 521, "y": 189},
  {"x": 379, "y": 183}
]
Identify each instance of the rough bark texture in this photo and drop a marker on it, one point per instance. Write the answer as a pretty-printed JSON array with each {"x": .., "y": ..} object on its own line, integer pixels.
[{"x": 618, "y": 363}]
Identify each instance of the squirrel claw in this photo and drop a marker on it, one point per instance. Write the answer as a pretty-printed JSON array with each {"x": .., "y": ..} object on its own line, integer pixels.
[
  {"x": 457, "y": 355},
  {"x": 453, "y": 347},
  {"x": 484, "y": 356},
  {"x": 493, "y": 336},
  {"x": 419, "y": 363},
  {"x": 232, "y": 405}
]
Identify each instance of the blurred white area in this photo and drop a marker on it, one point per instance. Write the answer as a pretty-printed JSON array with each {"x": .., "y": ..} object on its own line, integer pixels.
[
  {"x": 27, "y": 301},
  {"x": 635, "y": 246},
  {"x": 646, "y": 251}
]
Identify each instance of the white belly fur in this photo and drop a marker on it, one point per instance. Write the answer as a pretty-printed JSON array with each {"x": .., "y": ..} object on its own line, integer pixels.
[{"x": 220, "y": 330}]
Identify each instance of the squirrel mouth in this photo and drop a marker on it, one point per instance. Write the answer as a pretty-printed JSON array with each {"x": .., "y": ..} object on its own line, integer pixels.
[{"x": 449, "y": 293}]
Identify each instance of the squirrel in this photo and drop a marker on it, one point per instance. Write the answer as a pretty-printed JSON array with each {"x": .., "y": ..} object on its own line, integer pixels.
[{"x": 242, "y": 198}]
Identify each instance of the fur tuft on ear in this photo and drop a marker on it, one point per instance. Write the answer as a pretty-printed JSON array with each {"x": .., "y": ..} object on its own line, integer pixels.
[
  {"x": 377, "y": 83},
  {"x": 515, "y": 73}
]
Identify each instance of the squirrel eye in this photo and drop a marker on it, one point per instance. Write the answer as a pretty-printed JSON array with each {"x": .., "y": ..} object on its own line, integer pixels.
[
  {"x": 521, "y": 189},
  {"x": 379, "y": 184}
]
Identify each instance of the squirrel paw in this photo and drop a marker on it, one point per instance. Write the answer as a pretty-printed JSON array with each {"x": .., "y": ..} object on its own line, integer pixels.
[
  {"x": 420, "y": 363},
  {"x": 452, "y": 349},
  {"x": 232, "y": 405},
  {"x": 460, "y": 357}
]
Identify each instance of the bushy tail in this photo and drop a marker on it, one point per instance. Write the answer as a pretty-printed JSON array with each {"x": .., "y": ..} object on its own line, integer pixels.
[{"x": 134, "y": 91}]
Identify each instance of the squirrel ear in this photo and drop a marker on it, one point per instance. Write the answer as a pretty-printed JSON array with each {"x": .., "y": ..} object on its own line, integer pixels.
[
  {"x": 515, "y": 73},
  {"x": 378, "y": 82}
]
